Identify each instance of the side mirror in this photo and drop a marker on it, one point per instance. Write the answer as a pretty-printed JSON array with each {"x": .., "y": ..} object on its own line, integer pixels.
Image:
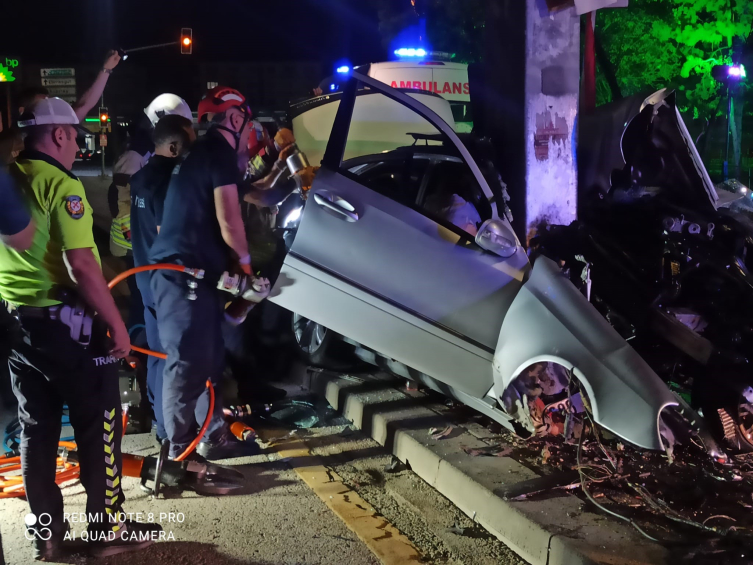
[{"x": 496, "y": 237}]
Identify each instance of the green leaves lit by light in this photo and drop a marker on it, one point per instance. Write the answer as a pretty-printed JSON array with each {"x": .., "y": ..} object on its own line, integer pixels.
[
  {"x": 673, "y": 43},
  {"x": 6, "y": 75}
]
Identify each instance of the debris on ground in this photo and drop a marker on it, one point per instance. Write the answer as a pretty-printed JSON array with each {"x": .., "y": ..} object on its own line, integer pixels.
[
  {"x": 440, "y": 433},
  {"x": 394, "y": 466},
  {"x": 457, "y": 530},
  {"x": 490, "y": 451},
  {"x": 681, "y": 497}
]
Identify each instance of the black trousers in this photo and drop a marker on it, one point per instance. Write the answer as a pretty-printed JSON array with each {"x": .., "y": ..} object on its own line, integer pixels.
[
  {"x": 48, "y": 369},
  {"x": 191, "y": 334}
]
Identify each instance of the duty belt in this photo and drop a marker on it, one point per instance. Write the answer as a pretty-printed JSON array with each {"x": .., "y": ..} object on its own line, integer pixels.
[
  {"x": 37, "y": 313},
  {"x": 77, "y": 318}
]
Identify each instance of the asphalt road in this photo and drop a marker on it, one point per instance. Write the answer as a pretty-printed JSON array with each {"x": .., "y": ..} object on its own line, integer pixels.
[{"x": 277, "y": 519}]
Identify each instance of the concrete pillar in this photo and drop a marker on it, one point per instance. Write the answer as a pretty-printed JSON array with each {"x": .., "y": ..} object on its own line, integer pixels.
[{"x": 529, "y": 97}]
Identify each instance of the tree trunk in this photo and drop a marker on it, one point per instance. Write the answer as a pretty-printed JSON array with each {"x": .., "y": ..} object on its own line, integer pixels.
[
  {"x": 738, "y": 104},
  {"x": 607, "y": 67}
]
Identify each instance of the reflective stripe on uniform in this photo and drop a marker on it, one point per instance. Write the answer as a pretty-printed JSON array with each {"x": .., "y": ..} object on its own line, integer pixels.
[{"x": 120, "y": 231}]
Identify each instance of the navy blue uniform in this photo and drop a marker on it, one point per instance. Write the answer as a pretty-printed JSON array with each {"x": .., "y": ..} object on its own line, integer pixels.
[
  {"x": 190, "y": 330},
  {"x": 148, "y": 191},
  {"x": 14, "y": 217}
]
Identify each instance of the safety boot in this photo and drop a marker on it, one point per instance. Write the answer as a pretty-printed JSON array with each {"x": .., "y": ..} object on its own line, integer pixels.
[{"x": 227, "y": 447}]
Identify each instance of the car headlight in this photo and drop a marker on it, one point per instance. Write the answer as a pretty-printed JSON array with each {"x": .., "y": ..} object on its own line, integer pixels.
[{"x": 293, "y": 216}]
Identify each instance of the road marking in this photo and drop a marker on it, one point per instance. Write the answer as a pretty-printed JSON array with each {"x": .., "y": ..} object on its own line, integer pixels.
[{"x": 382, "y": 538}]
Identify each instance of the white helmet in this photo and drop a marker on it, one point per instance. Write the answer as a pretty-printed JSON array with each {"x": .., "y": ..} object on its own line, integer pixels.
[
  {"x": 166, "y": 105},
  {"x": 48, "y": 111}
]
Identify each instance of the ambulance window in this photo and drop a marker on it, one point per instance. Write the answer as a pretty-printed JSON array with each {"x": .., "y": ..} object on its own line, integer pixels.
[{"x": 461, "y": 111}]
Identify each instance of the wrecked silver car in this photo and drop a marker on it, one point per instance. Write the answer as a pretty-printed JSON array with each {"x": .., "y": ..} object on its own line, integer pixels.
[
  {"x": 667, "y": 257},
  {"x": 407, "y": 252}
]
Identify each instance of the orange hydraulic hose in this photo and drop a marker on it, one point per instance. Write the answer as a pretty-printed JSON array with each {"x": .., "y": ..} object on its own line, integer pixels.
[
  {"x": 12, "y": 487},
  {"x": 160, "y": 267},
  {"x": 182, "y": 269}
]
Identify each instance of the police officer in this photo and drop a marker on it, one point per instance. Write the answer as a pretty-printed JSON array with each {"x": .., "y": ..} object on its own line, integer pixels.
[
  {"x": 202, "y": 228},
  {"x": 173, "y": 136},
  {"x": 63, "y": 354}
]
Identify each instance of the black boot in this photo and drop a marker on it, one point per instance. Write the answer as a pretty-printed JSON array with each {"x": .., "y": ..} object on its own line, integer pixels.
[
  {"x": 50, "y": 549},
  {"x": 227, "y": 447}
]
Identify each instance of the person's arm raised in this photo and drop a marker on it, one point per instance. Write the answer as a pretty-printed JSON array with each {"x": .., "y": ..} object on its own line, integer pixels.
[{"x": 93, "y": 95}]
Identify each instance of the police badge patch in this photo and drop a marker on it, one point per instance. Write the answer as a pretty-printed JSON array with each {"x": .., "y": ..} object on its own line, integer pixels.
[{"x": 75, "y": 207}]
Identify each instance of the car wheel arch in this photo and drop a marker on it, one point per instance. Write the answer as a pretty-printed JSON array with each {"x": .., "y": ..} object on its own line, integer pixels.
[{"x": 549, "y": 320}]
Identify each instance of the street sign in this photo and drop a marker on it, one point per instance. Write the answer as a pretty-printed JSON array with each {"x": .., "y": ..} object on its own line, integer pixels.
[
  {"x": 62, "y": 91},
  {"x": 58, "y": 82},
  {"x": 103, "y": 140},
  {"x": 69, "y": 72}
]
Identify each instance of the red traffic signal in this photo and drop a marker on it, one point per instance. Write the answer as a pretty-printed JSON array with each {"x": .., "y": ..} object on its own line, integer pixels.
[
  {"x": 186, "y": 41},
  {"x": 104, "y": 116}
]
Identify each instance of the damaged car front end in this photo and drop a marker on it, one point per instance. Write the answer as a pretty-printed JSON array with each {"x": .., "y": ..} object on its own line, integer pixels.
[{"x": 666, "y": 257}]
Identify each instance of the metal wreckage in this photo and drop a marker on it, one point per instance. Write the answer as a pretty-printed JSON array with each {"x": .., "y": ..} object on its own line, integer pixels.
[{"x": 666, "y": 257}]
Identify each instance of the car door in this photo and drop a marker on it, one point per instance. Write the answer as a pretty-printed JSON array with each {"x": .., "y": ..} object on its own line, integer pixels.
[{"x": 395, "y": 277}]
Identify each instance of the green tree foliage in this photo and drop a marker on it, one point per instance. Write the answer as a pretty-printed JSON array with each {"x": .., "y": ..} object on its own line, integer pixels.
[{"x": 674, "y": 43}]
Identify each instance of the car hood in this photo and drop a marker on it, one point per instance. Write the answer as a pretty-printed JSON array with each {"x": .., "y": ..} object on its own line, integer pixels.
[{"x": 642, "y": 141}]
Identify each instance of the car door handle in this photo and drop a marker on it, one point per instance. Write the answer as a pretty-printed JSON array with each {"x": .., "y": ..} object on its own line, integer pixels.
[{"x": 336, "y": 205}]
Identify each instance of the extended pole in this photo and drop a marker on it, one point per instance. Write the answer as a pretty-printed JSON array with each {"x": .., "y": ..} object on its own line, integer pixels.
[{"x": 135, "y": 49}]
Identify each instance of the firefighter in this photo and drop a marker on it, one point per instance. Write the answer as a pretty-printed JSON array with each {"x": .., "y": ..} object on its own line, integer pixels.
[
  {"x": 202, "y": 228},
  {"x": 63, "y": 354},
  {"x": 173, "y": 136},
  {"x": 139, "y": 151}
]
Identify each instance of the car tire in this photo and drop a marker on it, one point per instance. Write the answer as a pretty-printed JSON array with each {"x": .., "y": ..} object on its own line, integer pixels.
[
  {"x": 311, "y": 340},
  {"x": 320, "y": 347}
]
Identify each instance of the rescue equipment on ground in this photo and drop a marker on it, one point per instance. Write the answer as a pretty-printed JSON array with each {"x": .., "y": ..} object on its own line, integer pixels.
[{"x": 203, "y": 478}]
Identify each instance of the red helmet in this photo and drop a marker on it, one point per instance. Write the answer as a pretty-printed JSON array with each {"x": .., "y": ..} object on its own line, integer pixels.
[{"x": 220, "y": 99}]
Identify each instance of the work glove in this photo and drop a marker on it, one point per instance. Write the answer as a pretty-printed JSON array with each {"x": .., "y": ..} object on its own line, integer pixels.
[
  {"x": 305, "y": 178},
  {"x": 287, "y": 152},
  {"x": 257, "y": 290},
  {"x": 284, "y": 137}
]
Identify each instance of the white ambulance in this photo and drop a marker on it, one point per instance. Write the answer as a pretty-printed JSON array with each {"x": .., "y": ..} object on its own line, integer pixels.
[
  {"x": 449, "y": 80},
  {"x": 378, "y": 122}
]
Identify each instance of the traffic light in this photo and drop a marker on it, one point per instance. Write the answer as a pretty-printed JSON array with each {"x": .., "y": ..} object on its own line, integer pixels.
[
  {"x": 186, "y": 41},
  {"x": 104, "y": 117}
]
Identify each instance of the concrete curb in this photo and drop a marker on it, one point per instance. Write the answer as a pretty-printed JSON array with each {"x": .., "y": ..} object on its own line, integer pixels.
[{"x": 543, "y": 532}]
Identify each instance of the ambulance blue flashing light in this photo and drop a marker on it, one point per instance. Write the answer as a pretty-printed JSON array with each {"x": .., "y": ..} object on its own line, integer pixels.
[
  {"x": 333, "y": 87},
  {"x": 410, "y": 52},
  {"x": 345, "y": 69}
]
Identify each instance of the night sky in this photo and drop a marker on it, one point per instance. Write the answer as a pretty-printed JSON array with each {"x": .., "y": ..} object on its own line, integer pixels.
[{"x": 79, "y": 31}]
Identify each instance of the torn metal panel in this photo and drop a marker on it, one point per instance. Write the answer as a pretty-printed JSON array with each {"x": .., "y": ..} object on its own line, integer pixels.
[{"x": 550, "y": 321}]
